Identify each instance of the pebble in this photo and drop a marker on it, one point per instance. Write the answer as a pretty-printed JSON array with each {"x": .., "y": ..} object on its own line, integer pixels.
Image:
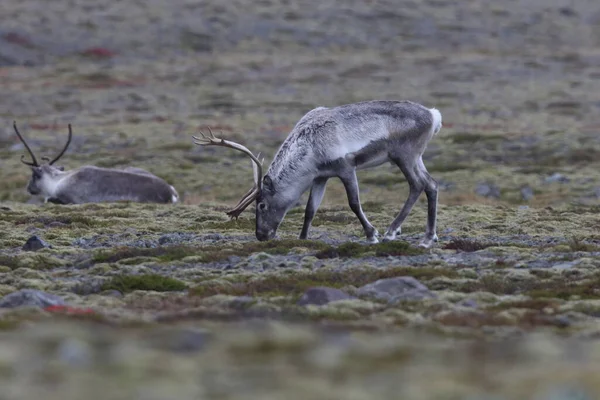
[{"x": 556, "y": 177}]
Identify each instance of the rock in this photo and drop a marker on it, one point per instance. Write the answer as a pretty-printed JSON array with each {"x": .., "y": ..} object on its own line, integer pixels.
[
  {"x": 30, "y": 297},
  {"x": 35, "y": 243},
  {"x": 488, "y": 190},
  {"x": 566, "y": 265},
  {"x": 396, "y": 289},
  {"x": 321, "y": 295},
  {"x": 527, "y": 193},
  {"x": 468, "y": 303},
  {"x": 556, "y": 177}
]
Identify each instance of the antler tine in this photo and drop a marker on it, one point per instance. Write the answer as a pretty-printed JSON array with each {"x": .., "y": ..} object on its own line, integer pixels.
[
  {"x": 252, "y": 194},
  {"x": 212, "y": 135},
  {"x": 243, "y": 204},
  {"x": 64, "y": 148},
  {"x": 35, "y": 162},
  {"x": 213, "y": 140}
]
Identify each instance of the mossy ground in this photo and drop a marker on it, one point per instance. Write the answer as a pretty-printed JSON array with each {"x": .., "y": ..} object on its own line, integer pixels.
[{"x": 517, "y": 163}]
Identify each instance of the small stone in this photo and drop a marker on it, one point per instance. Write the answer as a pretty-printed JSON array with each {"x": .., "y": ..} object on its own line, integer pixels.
[
  {"x": 527, "y": 193},
  {"x": 396, "y": 289},
  {"x": 30, "y": 297},
  {"x": 488, "y": 190},
  {"x": 556, "y": 177},
  {"x": 35, "y": 243},
  {"x": 566, "y": 265},
  {"x": 468, "y": 303},
  {"x": 321, "y": 295}
]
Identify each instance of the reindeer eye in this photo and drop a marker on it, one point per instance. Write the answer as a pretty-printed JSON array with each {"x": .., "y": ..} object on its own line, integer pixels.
[{"x": 262, "y": 206}]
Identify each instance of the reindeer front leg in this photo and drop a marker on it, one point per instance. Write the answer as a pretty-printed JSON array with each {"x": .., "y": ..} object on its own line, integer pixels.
[
  {"x": 348, "y": 178},
  {"x": 317, "y": 191}
]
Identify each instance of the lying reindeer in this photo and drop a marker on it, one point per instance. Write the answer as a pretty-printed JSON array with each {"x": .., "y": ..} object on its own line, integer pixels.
[
  {"x": 89, "y": 184},
  {"x": 335, "y": 142}
]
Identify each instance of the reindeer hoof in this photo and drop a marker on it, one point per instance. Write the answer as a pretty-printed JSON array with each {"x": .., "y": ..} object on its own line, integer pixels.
[
  {"x": 427, "y": 243},
  {"x": 389, "y": 236},
  {"x": 374, "y": 238}
]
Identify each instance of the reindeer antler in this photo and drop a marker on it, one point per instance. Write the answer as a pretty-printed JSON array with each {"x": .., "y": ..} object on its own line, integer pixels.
[
  {"x": 35, "y": 162},
  {"x": 64, "y": 148},
  {"x": 253, "y": 193}
]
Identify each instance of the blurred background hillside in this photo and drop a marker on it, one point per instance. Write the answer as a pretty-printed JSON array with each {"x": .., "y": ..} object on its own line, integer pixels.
[{"x": 517, "y": 83}]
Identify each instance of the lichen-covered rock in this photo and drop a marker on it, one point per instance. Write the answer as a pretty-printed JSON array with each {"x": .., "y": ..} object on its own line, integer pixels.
[
  {"x": 396, "y": 289},
  {"x": 322, "y": 295},
  {"x": 30, "y": 297},
  {"x": 35, "y": 243}
]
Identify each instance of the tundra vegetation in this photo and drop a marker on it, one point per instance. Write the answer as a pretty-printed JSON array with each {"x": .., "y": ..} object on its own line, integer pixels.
[{"x": 179, "y": 301}]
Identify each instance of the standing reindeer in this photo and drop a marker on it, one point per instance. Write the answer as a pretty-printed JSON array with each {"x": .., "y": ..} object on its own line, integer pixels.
[
  {"x": 90, "y": 184},
  {"x": 335, "y": 142}
]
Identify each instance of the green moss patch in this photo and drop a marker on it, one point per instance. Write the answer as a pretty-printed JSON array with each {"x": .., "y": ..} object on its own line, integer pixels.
[
  {"x": 73, "y": 219},
  {"x": 531, "y": 304},
  {"x": 562, "y": 287},
  {"x": 165, "y": 253},
  {"x": 205, "y": 253},
  {"x": 129, "y": 283},
  {"x": 34, "y": 261},
  {"x": 467, "y": 245},
  {"x": 297, "y": 282},
  {"x": 467, "y": 137},
  {"x": 383, "y": 249}
]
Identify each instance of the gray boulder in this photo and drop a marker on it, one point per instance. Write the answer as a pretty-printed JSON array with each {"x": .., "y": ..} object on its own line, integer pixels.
[
  {"x": 396, "y": 289},
  {"x": 321, "y": 295},
  {"x": 31, "y": 298}
]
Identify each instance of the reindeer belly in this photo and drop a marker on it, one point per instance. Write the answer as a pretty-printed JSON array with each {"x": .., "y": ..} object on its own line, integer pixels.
[{"x": 372, "y": 155}]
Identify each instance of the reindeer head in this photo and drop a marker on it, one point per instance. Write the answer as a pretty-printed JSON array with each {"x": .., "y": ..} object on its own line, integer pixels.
[
  {"x": 270, "y": 207},
  {"x": 42, "y": 175}
]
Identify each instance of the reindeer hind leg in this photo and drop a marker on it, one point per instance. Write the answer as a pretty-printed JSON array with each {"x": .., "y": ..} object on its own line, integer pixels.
[{"x": 416, "y": 183}]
